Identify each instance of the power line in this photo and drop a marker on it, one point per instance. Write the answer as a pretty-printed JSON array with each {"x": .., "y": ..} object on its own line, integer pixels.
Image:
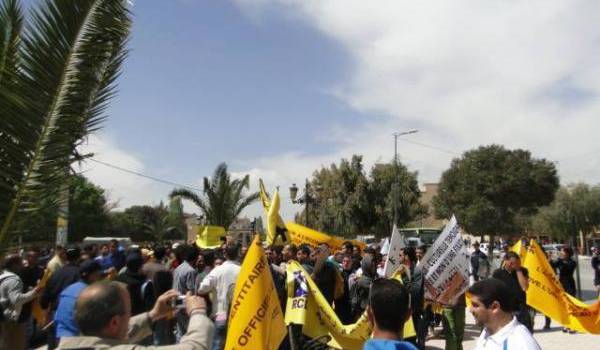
[
  {"x": 167, "y": 182},
  {"x": 431, "y": 147}
]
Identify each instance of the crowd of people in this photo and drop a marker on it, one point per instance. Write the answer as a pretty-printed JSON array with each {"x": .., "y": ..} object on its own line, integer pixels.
[{"x": 107, "y": 296}]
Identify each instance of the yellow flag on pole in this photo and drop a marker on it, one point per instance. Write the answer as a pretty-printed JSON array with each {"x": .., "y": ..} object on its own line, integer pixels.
[
  {"x": 255, "y": 318},
  {"x": 546, "y": 294},
  {"x": 307, "y": 306},
  {"x": 301, "y": 234},
  {"x": 275, "y": 226}
]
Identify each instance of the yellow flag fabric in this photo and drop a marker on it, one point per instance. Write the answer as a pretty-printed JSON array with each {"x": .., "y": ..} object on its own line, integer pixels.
[
  {"x": 39, "y": 314},
  {"x": 210, "y": 236},
  {"x": 520, "y": 249},
  {"x": 295, "y": 233},
  {"x": 545, "y": 293},
  {"x": 255, "y": 319},
  {"x": 274, "y": 220},
  {"x": 308, "y": 307},
  {"x": 301, "y": 234}
]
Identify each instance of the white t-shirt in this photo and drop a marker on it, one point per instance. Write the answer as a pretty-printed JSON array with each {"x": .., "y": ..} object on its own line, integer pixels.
[
  {"x": 513, "y": 336},
  {"x": 220, "y": 280}
]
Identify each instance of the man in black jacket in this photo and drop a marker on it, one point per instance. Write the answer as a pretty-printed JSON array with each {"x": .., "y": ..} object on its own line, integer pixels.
[{"x": 61, "y": 279}]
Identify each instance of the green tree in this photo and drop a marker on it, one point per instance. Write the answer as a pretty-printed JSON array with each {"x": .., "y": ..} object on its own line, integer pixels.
[
  {"x": 88, "y": 211},
  {"x": 57, "y": 75},
  {"x": 487, "y": 188},
  {"x": 348, "y": 202},
  {"x": 391, "y": 184},
  {"x": 88, "y": 214},
  {"x": 140, "y": 222},
  {"x": 177, "y": 228},
  {"x": 224, "y": 198},
  {"x": 578, "y": 204},
  {"x": 340, "y": 198}
]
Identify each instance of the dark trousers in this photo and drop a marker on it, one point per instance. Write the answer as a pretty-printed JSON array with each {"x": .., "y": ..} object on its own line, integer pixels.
[{"x": 524, "y": 316}]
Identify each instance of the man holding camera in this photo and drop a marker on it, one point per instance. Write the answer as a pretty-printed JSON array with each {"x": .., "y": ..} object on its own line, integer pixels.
[{"x": 103, "y": 314}]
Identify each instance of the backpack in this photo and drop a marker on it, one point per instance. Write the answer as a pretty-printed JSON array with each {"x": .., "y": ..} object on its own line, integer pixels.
[{"x": 359, "y": 296}]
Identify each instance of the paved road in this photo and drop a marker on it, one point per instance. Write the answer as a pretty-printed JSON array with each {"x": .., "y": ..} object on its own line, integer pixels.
[{"x": 553, "y": 339}]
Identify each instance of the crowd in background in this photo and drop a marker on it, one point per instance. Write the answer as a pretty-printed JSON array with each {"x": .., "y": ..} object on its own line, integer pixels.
[{"x": 344, "y": 277}]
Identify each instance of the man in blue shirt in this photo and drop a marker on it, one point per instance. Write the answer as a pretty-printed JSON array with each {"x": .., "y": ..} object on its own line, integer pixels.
[
  {"x": 387, "y": 311},
  {"x": 64, "y": 319}
]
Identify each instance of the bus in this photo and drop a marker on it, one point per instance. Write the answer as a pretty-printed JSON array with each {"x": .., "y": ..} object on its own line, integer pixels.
[{"x": 426, "y": 235}]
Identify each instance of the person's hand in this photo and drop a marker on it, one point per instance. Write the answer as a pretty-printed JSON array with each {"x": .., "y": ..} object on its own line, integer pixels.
[
  {"x": 38, "y": 290},
  {"x": 194, "y": 303},
  {"x": 162, "y": 306}
]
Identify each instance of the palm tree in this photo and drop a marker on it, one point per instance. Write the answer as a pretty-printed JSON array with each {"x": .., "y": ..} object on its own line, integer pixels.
[
  {"x": 224, "y": 199},
  {"x": 57, "y": 74}
]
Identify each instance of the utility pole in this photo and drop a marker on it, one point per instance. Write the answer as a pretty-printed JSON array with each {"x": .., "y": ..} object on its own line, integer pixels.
[
  {"x": 575, "y": 250},
  {"x": 396, "y": 185}
]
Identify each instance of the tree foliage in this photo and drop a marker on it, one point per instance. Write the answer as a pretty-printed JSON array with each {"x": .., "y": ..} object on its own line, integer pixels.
[
  {"x": 578, "y": 204},
  {"x": 88, "y": 214},
  {"x": 348, "y": 202},
  {"x": 488, "y": 187},
  {"x": 57, "y": 75},
  {"x": 223, "y": 198}
]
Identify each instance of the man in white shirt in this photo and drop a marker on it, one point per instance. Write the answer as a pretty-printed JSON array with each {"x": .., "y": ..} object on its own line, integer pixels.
[
  {"x": 222, "y": 280},
  {"x": 492, "y": 305}
]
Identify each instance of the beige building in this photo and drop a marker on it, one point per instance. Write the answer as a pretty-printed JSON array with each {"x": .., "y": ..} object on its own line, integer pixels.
[{"x": 429, "y": 191}]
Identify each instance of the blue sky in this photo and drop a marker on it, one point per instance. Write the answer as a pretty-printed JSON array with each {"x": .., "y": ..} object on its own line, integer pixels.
[{"x": 278, "y": 88}]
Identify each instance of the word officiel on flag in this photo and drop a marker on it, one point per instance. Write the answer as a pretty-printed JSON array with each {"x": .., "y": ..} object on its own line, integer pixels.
[
  {"x": 446, "y": 266},
  {"x": 255, "y": 319},
  {"x": 393, "y": 253}
]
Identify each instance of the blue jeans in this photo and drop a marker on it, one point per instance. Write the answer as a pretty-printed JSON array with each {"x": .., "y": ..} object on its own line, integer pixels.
[{"x": 220, "y": 335}]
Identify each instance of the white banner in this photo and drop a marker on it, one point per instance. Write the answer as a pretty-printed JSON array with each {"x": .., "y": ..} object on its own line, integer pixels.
[
  {"x": 446, "y": 266},
  {"x": 393, "y": 259}
]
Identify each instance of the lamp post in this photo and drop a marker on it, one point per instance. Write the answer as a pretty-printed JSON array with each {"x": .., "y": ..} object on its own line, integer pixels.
[
  {"x": 396, "y": 185},
  {"x": 306, "y": 199}
]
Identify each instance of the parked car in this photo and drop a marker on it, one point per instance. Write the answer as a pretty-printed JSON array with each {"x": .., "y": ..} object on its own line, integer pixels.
[{"x": 553, "y": 250}]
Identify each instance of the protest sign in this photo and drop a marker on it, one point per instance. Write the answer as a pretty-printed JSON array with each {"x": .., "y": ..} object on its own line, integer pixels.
[
  {"x": 255, "y": 319},
  {"x": 307, "y": 306},
  {"x": 393, "y": 261},
  {"x": 446, "y": 266}
]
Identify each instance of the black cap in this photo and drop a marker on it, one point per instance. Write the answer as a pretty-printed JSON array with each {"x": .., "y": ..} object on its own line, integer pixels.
[
  {"x": 88, "y": 267},
  {"x": 73, "y": 253}
]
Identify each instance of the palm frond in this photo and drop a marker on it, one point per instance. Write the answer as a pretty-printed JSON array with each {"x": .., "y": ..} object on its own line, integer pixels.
[
  {"x": 11, "y": 24},
  {"x": 251, "y": 198},
  {"x": 71, "y": 53}
]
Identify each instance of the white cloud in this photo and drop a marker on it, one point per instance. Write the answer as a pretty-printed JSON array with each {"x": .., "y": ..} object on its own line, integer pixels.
[
  {"x": 466, "y": 73},
  {"x": 123, "y": 188}
]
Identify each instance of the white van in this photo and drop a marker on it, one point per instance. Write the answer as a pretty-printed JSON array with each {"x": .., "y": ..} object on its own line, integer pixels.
[{"x": 123, "y": 241}]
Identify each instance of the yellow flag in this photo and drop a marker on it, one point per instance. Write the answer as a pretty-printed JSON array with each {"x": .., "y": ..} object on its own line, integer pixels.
[
  {"x": 39, "y": 314},
  {"x": 520, "y": 249},
  {"x": 210, "y": 236},
  {"x": 308, "y": 307},
  {"x": 275, "y": 223},
  {"x": 302, "y": 234},
  {"x": 546, "y": 294},
  {"x": 255, "y": 319}
]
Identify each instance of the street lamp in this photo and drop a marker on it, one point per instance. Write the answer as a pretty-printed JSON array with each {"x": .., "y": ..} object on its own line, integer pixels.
[
  {"x": 395, "y": 186},
  {"x": 398, "y": 134},
  {"x": 306, "y": 199}
]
